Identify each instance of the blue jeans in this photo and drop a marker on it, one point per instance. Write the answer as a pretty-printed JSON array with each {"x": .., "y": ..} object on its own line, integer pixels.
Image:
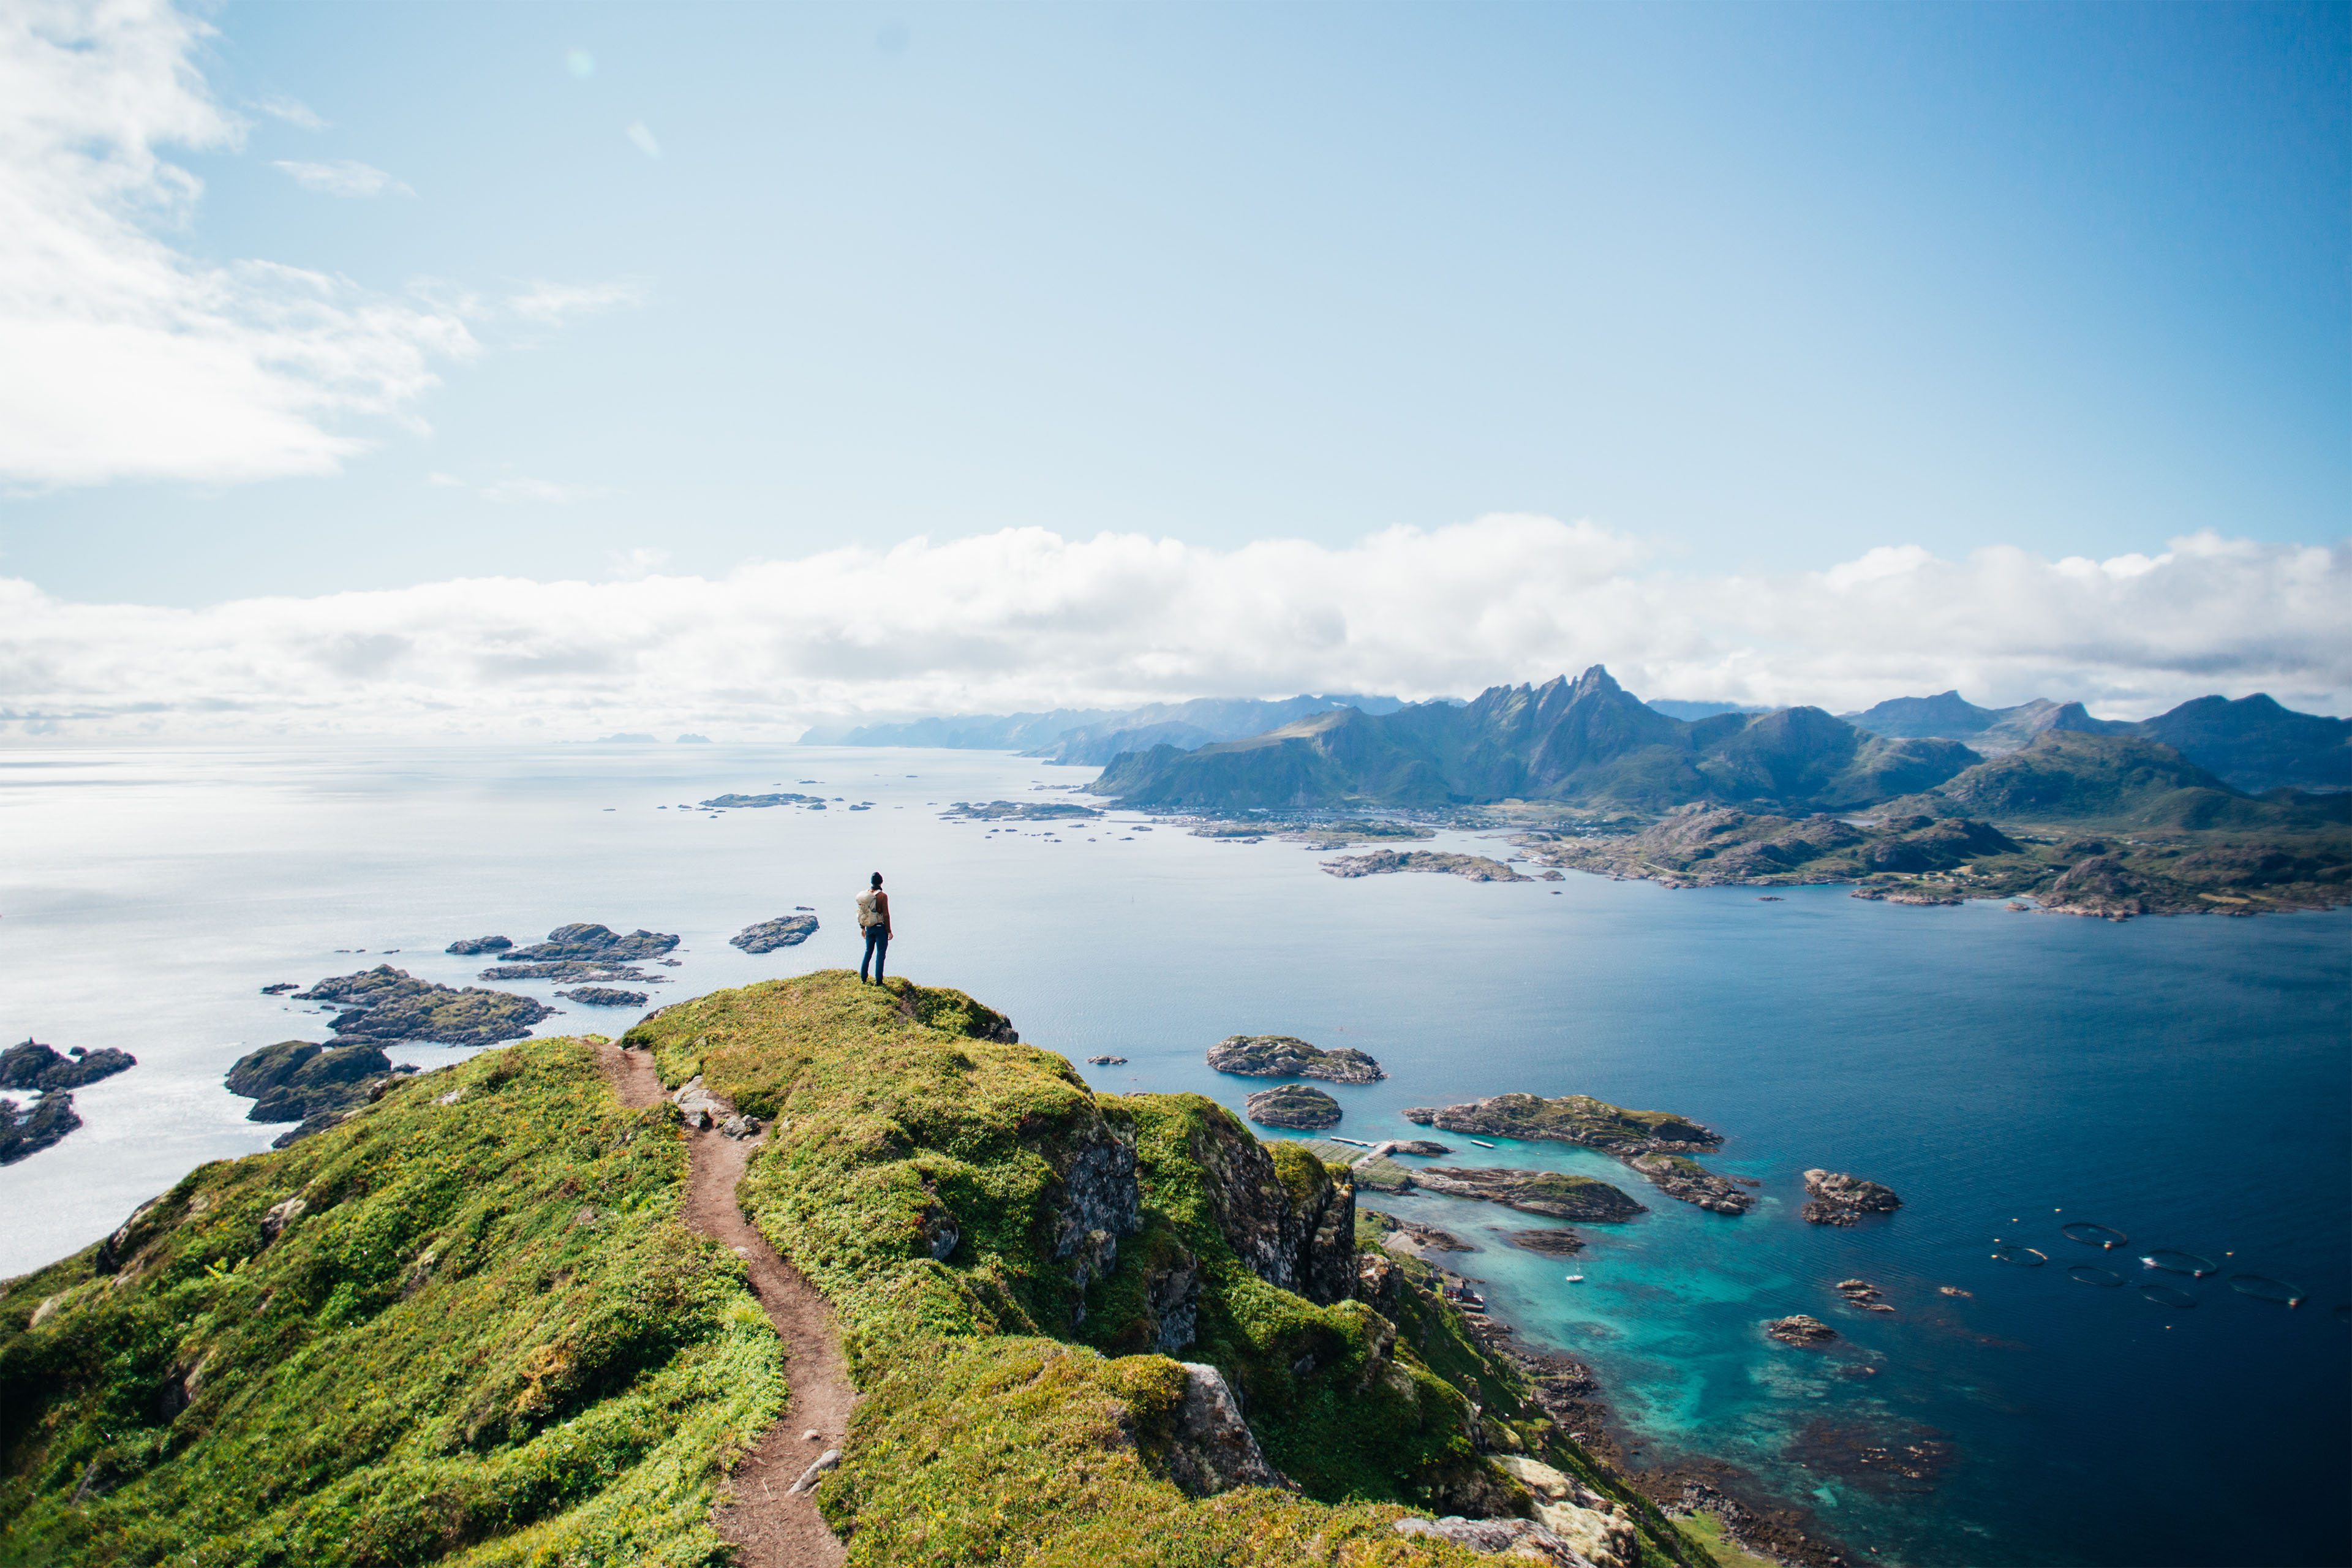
[{"x": 877, "y": 947}]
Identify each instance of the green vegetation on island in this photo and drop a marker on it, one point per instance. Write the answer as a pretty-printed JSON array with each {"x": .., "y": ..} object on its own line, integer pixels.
[{"x": 1385, "y": 862}]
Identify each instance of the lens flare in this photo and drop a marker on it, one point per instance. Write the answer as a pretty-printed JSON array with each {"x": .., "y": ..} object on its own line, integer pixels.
[{"x": 580, "y": 63}]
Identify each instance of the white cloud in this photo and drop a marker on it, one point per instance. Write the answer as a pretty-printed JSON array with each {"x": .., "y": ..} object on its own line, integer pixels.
[
  {"x": 1026, "y": 620},
  {"x": 291, "y": 110},
  {"x": 344, "y": 177},
  {"x": 126, "y": 357},
  {"x": 550, "y": 303}
]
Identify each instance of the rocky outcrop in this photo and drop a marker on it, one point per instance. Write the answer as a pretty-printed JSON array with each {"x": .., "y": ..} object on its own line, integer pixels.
[
  {"x": 473, "y": 944},
  {"x": 1292, "y": 1105},
  {"x": 1840, "y": 1199},
  {"x": 1572, "y": 1118},
  {"x": 34, "y": 1066},
  {"x": 1421, "y": 1146},
  {"x": 1100, "y": 1201},
  {"x": 1600, "y": 1530},
  {"x": 1289, "y": 1221},
  {"x": 1550, "y": 1243},
  {"x": 1679, "y": 1176},
  {"x": 1552, "y": 1193},
  {"x": 1800, "y": 1330},
  {"x": 603, "y": 997},
  {"x": 600, "y": 944},
  {"x": 705, "y": 1111},
  {"x": 1286, "y": 1056},
  {"x": 784, "y": 931},
  {"x": 301, "y": 1081},
  {"x": 1518, "y": 1539},
  {"x": 24, "y": 1131},
  {"x": 1019, "y": 810},
  {"x": 1212, "y": 1448},
  {"x": 1381, "y": 862},
  {"x": 387, "y": 1004},
  {"x": 575, "y": 972}
]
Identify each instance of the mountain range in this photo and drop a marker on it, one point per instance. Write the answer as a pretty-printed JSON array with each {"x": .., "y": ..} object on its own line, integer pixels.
[{"x": 1591, "y": 742}]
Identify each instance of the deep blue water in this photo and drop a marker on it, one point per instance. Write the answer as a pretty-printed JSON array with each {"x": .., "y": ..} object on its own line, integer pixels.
[{"x": 2188, "y": 1081}]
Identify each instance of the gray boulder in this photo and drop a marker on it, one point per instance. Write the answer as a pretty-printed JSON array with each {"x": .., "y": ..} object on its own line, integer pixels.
[{"x": 1212, "y": 1448}]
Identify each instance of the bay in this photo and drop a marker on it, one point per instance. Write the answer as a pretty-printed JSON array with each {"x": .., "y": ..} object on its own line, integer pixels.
[{"x": 2185, "y": 1081}]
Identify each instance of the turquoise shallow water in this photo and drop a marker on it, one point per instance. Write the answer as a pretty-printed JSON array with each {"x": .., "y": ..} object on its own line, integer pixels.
[{"x": 2188, "y": 1081}]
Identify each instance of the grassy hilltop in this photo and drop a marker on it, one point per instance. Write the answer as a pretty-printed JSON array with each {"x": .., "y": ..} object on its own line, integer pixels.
[{"x": 468, "y": 1324}]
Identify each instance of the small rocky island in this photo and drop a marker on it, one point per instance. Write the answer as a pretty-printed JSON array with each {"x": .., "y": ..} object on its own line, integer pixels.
[
  {"x": 34, "y": 1066},
  {"x": 388, "y": 1003},
  {"x": 754, "y": 801},
  {"x": 1019, "y": 810},
  {"x": 603, "y": 997},
  {"x": 1801, "y": 1331},
  {"x": 1652, "y": 1142},
  {"x": 784, "y": 931},
  {"x": 1381, "y": 862},
  {"x": 1286, "y": 1056},
  {"x": 1840, "y": 1199},
  {"x": 467, "y": 946},
  {"x": 304, "y": 1081},
  {"x": 1555, "y": 1194},
  {"x": 41, "y": 1069},
  {"x": 1550, "y": 1243},
  {"x": 1292, "y": 1105},
  {"x": 596, "y": 944}
]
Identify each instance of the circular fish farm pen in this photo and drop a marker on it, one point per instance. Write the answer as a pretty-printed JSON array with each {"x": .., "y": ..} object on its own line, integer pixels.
[
  {"x": 2177, "y": 1262},
  {"x": 2024, "y": 1257},
  {"x": 2167, "y": 1296},
  {"x": 2089, "y": 1235},
  {"x": 2263, "y": 1287},
  {"x": 2092, "y": 1274}
]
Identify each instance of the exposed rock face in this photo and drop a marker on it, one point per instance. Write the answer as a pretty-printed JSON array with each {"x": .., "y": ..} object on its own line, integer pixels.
[
  {"x": 1214, "y": 1449},
  {"x": 1552, "y": 1193},
  {"x": 385, "y": 1004},
  {"x": 300, "y": 1080},
  {"x": 1421, "y": 1146},
  {"x": 603, "y": 997},
  {"x": 34, "y": 1066},
  {"x": 1514, "y": 1538},
  {"x": 1599, "y": 1530},
  {"x": 784, "y": 931},
  {"x": 1285, "y": 1056},
  {"x": 1287, "y": 1220},
  {"x": 1678, "y": 1176},
  {"x": 600, "y": 943},
  {"x": 1840, "y": 1199},
  {"x": 24, "y": 1132},
  {"x": 1292, "y": 1105},
  {"x": 1100, "y": 1201},
  {"x": 1381, "y": 862},
  {"x": 469, "y": 945},
  {"x": 1551, "y": 1243},
  {"x": 1800, "y": 1330}
]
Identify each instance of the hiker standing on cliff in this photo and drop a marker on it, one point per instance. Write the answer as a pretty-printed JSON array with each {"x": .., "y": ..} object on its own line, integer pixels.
[{"x": 874, "y": 920}]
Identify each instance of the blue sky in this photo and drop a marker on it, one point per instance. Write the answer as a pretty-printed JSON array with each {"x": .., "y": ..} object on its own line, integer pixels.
[
  {"x": 1772, "y": 284},
  {"x": 594, "y": 292}
]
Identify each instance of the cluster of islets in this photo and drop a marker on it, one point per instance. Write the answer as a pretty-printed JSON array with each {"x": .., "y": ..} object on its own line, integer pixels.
[{"x": 318, "y": 1084}]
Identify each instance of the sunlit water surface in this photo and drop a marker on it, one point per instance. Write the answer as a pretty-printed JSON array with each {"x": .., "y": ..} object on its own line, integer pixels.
[{"x": 2186, "y": 1081}]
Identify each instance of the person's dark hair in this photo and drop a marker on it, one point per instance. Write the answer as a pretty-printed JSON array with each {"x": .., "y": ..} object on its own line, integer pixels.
[{"x": 878, "y": 879}]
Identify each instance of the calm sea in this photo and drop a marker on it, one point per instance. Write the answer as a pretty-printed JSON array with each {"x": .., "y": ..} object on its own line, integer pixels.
[{"x": 2187, "y": 1082}]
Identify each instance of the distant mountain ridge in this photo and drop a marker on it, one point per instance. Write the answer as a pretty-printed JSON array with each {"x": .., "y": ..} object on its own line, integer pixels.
[
  {"x": 2250, "y": 743},
  {"x": 1587, "y": 740}
]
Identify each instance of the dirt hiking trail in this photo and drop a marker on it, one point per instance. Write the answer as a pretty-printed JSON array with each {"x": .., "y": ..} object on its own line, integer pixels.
[{"x": 770, "y": 1527}]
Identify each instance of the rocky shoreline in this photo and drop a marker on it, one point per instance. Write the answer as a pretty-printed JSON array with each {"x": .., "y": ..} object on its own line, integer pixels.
[
  {"x": 36, "y": 1069},
  {"x": 1381, "y": 862},
  {"x": 1286, "y": 1056}
]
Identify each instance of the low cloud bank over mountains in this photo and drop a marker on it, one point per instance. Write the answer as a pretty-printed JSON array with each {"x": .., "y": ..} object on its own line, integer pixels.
[{"x": 1026, "y": 620}]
